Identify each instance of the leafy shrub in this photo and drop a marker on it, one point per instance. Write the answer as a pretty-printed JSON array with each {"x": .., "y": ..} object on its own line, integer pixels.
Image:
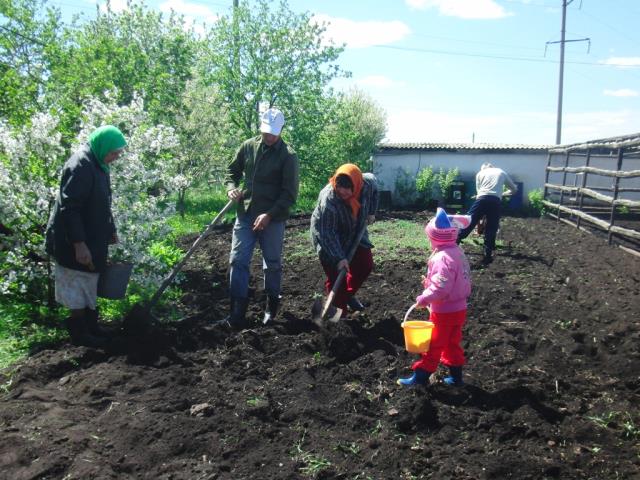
[
  {"x": 405, "y": 186},
  {"x": 167, "y": 253},
  {"x": 445, "y": 179},
  {"x": 425, "y": 181},
  {"x": 535, "y": 202}
]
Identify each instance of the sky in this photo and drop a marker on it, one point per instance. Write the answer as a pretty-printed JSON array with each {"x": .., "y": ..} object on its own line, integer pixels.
[{"x": 484, "y": 71}]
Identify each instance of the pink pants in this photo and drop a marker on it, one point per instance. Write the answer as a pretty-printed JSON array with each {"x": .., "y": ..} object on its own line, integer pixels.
[
  {"x": 359, "y": 269},
  {"x": 446, "y": 340}
]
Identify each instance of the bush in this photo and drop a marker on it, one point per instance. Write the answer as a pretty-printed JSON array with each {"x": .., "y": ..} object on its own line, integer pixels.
[
  {"x": 445, "y": 179},
  {"x": 405, "y": 186},
  {"x": 535, "y": 202},
  {"x": 424, "y": 184}
]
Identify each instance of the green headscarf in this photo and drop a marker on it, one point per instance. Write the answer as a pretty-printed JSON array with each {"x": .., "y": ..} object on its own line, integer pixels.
[{"x": 103, "y": 140}]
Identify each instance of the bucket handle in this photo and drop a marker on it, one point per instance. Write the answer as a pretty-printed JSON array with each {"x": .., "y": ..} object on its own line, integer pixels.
[{"x": 406, "y": 315}]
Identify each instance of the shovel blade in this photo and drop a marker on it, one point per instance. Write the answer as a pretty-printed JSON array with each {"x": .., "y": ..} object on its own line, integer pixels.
[
  {"x": 316, "y": 312},
  {"x": 332, "y": 313},
  {"x": 336, "y": 316}
]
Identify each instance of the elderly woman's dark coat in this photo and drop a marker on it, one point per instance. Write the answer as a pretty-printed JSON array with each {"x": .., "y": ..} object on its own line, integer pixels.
[{"x": 82, "y": 212}]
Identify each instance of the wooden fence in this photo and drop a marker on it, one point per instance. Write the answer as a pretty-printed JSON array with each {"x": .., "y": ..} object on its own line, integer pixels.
[{"x": 595, "y": 186}]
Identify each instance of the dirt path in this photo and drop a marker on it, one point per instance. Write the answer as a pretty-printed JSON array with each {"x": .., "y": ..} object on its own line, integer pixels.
[{"x": 553, "y": 380}]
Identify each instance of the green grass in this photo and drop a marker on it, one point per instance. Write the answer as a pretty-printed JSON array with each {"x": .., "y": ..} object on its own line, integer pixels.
[
  {"x": 312, "y": 464},
  {"x": 20, "y": 334},
  {"x": 25, "y": 328},
  {"x": 306, "y": 201},
  {"x": 167, "y": 307},
  {"x": 300, "y": 246},
  {"x": 393, "y": 237},
  {"x": 200, "y": 208},
  {"x": 203, "y": 204}
]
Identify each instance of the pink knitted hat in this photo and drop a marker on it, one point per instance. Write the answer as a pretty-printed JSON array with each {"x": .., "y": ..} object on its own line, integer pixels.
[{"x": 443, "y": 229}]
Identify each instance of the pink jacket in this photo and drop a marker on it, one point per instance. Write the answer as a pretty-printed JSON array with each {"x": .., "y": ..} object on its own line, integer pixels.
[{"x": 448, "y": 282}]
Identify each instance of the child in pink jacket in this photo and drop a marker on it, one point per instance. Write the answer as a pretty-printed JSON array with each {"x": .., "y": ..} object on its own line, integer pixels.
[{"x": 446, "y": 289}]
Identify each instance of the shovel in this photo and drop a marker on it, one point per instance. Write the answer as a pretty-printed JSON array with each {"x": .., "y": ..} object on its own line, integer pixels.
[
  {"x": 139, "y": 318},
  {"x": 318, "y": 309}
]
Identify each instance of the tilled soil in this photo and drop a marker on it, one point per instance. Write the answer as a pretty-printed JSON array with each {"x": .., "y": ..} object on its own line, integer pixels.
[{"x": 552, "y": 382}]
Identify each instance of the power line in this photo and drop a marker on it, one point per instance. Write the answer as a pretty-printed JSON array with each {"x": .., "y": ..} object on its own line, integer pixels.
[
  {"x": 477, "y": 42},
  {"x": 498, "y": 57},
  {"x": 622, "y": 34},
  {"x": 527, "y": 3}
]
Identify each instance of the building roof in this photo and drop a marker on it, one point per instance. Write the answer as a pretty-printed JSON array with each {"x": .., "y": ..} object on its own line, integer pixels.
[{"x": 463, "y": 146}]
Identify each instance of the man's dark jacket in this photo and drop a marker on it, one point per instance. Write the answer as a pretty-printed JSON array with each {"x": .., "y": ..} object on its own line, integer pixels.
[
  {"x": 270, "y": 177},
  {"x": 82, "y": 212}
]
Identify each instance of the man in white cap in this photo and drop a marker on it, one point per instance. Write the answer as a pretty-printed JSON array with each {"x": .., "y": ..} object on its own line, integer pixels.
[
  {"x": 490, "y": 182},
  {"x": 263, "y": 180}
]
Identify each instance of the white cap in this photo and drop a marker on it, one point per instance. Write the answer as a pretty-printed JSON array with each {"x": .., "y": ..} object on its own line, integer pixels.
[{"x": 272, "y": 121}]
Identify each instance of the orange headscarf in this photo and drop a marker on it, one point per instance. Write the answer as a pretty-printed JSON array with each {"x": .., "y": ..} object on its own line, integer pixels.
[{"x": 354, "y": 173}]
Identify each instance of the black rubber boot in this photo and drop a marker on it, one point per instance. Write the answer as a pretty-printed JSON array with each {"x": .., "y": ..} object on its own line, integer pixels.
[
  {"x": 91, "y": 318},
  {"x": 232, "y": 304},
  {"x": 79, "y": 333},
  {"x": 237, "y": 318},
  {"x": 355, "y": 305},
  {"x": 271, "y": 310},
  {"x": 488, "y": 257}
]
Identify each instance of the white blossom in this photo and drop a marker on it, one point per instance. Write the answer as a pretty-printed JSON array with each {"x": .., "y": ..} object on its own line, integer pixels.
[{"x": 31, "y": 159}]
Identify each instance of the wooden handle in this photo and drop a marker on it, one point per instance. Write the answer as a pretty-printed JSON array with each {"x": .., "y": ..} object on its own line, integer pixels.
[
  {"x": 332, "y": 293},
  {"x": 167, "y": 281}
]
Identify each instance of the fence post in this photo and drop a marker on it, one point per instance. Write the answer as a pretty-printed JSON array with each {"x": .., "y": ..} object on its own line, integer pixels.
[
  {"x": 546, "y": 176},
  {"x": 564, "y": 182},
  {"x": 616, "y": 184},
  {"x": 584, "y": 184}
]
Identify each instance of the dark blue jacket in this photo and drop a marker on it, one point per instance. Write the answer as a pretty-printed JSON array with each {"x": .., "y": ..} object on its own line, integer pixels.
[{"x": 82, "y": 212}]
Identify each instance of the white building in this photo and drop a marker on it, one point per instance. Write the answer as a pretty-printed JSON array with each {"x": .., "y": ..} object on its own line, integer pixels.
[{"x": 392, "y": 163}]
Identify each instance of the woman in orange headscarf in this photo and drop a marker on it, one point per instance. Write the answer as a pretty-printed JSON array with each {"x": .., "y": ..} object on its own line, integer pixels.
[{"x": 339, "y": 231}]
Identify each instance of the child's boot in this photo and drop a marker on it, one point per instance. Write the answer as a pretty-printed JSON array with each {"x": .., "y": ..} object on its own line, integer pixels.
[
  {"x": 419, "y": 377},
  {"x": 455, "y": 377}
]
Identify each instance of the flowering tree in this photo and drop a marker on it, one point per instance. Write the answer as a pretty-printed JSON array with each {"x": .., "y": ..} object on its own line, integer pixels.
[{"x": 30, "y": 164}]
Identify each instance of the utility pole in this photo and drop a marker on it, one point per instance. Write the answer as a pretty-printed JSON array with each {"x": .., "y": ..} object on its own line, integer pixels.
[{"x": 561, "y": 77}]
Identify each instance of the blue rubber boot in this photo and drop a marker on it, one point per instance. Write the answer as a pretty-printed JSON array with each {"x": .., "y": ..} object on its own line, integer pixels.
[
  {"x": 419, "y": 377},
  {"x": 455, "y": 377}
]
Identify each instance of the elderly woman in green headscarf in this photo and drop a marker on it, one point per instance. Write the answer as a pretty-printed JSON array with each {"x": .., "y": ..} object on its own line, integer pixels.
[{"x": 80, "y": 230}]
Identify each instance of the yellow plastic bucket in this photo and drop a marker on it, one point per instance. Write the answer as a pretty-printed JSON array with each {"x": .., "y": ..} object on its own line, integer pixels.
[{"x": 417, "y": 334}]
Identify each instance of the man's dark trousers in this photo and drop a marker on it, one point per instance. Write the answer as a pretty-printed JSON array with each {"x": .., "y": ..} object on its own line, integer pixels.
[{"x": 489, "y": 206}]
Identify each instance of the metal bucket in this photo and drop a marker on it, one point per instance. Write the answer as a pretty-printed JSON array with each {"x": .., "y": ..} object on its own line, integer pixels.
[{"x": 113, "y": 281}]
